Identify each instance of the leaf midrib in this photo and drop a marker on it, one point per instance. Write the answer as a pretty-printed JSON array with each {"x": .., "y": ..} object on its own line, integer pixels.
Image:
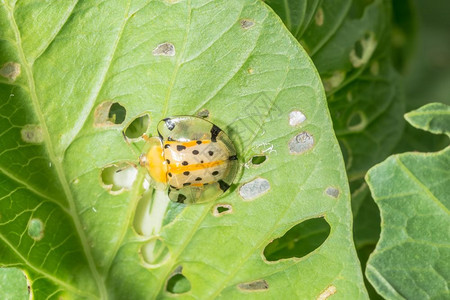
[{"x": 53, "y": 158}]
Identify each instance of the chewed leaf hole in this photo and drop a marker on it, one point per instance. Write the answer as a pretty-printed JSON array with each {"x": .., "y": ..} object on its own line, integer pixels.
[
  {"x": 222, "y": 209},
  {"x": 254, "y": 286},
  {"x": 109, "y": 113},
  {"x": 10, "y": 70},
  {"x": 117, "y": 113},
  {"x": 137, "y": 127},
  {"x": 32, "y": 134},
  {"x": 246, "y": 23},
  {"x": 178, "y": 283},
  {"x": 300, "y": 143},
  {"x": 36, "y": 229},
  {"x": 155, "y": 253},
  {"x": 296, "y": 117},
  {"x": 299, "y": 241},
  {"x": 335, "y": 80},
  {"x": 357, "y": 121},
  {"x": 253, "y": 189},
  {"x": 164, "y": 49},
  {"x": 363, "y": 50},
  {"x": 204, "y": 113},
  {"x": 258, "y": 159},
  {"x": 117, "y": 178},
  {"x": 332, "y": 192}
]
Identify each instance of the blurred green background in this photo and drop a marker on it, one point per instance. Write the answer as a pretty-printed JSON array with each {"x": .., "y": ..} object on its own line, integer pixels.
[{"x": 427, "y": 74}]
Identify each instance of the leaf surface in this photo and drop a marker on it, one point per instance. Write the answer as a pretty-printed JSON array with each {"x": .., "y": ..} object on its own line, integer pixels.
[{"x": 76, "y": 233}]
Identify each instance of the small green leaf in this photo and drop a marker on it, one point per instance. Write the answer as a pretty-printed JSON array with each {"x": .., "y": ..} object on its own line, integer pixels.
[
  {"x": 433, "y": 117},
  {"x": 411, "y": 260}
]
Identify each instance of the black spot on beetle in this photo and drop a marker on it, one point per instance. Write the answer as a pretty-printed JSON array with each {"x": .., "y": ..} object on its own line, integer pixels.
[
  {"x": 215, "y": 173},
  {"x": 195, "y": 152},
  {"x": 186, "y": 173},
  {"x": 181, "y": 147},
  {"x": 169, "y": 123},
  {"x": 168, "y": 161},
  {"x": 201, "y": 161},
  {"x": 198, "y": 179},
  {"x": 210, "y": 153},
  {"x": 166, "y": 146},
  {"x": 215, "y": 132},
  {"x": 223, "y": 185},
  {"x": 232, "y": 157},
  {"x": 184, "y": 163},
  {"x": 181, "y": 198},
  {"x": 170, "y": 174},
  {"x": 170, "y": 139},
  {"x": 186, "y": 183},
  {"x": 174, "y": 187},
  {"x": 199, "y": 142}
]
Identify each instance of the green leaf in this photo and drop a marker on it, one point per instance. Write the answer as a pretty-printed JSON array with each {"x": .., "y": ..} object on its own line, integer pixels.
[
  {"x": 13, "y": 284},
  {"x": 74, "y": 213},
  {"x": 433, "y": 117},
  {"x": 411, "y": 260}
]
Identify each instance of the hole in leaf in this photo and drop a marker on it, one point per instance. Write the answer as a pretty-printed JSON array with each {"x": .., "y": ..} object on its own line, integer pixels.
[
  {"x": 204, "y": 113},
  {"x": 254, "y": 188},
  {"x": 254, "y": 286},
  {"x": 10, "y": 70},
  {"x": 178, "y": 283},
  {"x": 155, "y": 253},
  {"x": 296, "y": 117},
  {"x": 334, "y": 80},
  {"x": 359, "y": 49},
  {"x": 109, "y": 113},
  {"x": 332, "y": 192},
  {"x": 299, "y": 241},
  {"x": 32, "y": 134},
  {"x": 301, "y": 143},
  {"x": 258, "y": 159},
  {"x": 246, "y": 23},
  {"x": 165, "y": 49},
  {"x": 36, "y": 229},
  {"x": 138, "y": 127},
  {"x": 357, "y": 121},
  {"x": 117, "y": 178},
  {"x": 222, "y": 209},
  {"x": 363, "y": 50},
  {"x": 117, "y": 113}
]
